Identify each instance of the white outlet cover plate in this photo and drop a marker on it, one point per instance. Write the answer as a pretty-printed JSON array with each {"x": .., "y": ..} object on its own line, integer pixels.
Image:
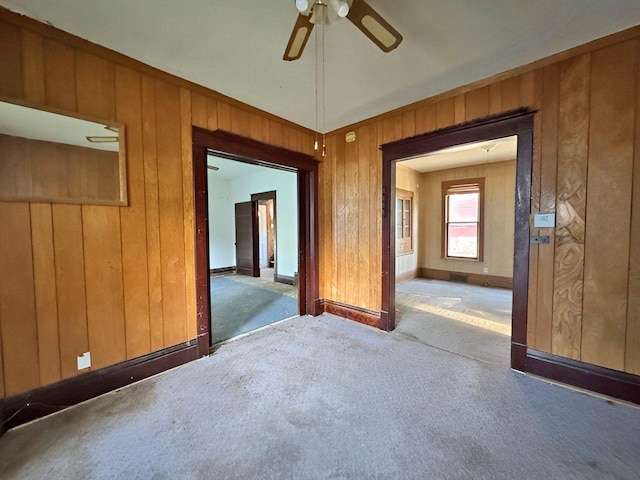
[{"x": 84, "y": 361}]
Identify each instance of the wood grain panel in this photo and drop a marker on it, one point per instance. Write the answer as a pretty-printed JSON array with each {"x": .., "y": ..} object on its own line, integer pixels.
[
  {"x": 276, "y": 133},
  {"x": 10, "y": 61},
  {"x": 365, "y": 232},
  {"x": 44, "y": 272},
  {"x": 133, "y": 220},
  {"x": 495, "y": 98},
  {"x": 240, "y": 121},
  {"x": 33, "y": 67},
  {"x": 408, "y": 124},
  {"x": 59, "y": 75},
  {"x": 199, "y": 111},
  {"x": 375, "y": 216},
  {"x": 425, "y": 119},
  {"x": 477, "y": 103},
  {"x": 460, "y": 109},
  {"x": 94, "y": 86},
  {"x": 510, "y": 93},
  {"x": 156, "y": 320},
  {"x": 547, "y": 203},
  {"x": 352, "y": 231},
  {"x": 256, "y": 129},
  {"x": 103, "y": 276},
  {"x": 632, "y": 347},
  {"x": 224, "y": 116},
  {"x": 445, "y": 113},
  {"x": 611, "y": 142},
  {"x": 189, "y": 211},
  {"x": 170, "y": 196},
  {"x": 341, "y": 227},
  {"x": 212, "y": 114},
  {"x": 573, "y": 128},
  {"x": 70, "y": 286},
  {"x": 17, "y": 300}
]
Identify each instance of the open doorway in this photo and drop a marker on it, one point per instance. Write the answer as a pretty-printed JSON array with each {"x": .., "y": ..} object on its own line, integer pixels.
[
  {"x": 302, "y": 266},
  {"x": 518, "y": 123},
  {"x": 454, "y": 218},
  {"x": 252, "y": 269}
]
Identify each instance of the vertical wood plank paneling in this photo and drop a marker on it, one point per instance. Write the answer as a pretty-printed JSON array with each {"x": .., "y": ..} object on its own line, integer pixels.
[
  {"x": 94, "y": 86},
  {"x": 133, "y": 219},
  {"x": 59, "y": 75},
  {"x": 33, "y": 67},
  {"x": 156, "y": 320},
  {"x": 330, "y": 212},
  {"x": 10, "y": 61},
  {"x": 341, "y": 226},
  {"x": 445, "y": 113},
  {"x": 495, "y": 98},
  {"x": 477, "y": 103},
  {"x": 425, "y": 119},
  {"x": 170, "y": 195},
  {"x": 224, "y": 116},
  {"x": 352, "y": 229},
  {"x": 44, "y": 273},
  {"x": 103, "y": 276},
  {"x": 276, "y": 134},
  {"x": 375, "y": 216},
  {"x": 460, "y": 109},
  {"x": 189, "y": 211},
  {"x": 547, "y": 182},
  {"x": 199, "y": 110},
  {"x": 240, "y": 121},
  {"x": 212, "y": 114},
  {"x": 611, "y": 142},
  {"x": 510, "y": 93},
  {"x": 255, "y": 127},
  {"x": 573, "y": 128},
  {"x": 17, "y": 300},
  {"x": 70, "y": 286},
  {"x": 365, "y": 232},
  {"x": 408, "y": 124},
  {"x": 632, "y": 347}
]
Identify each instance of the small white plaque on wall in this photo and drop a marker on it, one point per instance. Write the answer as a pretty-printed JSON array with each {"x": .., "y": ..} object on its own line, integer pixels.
[{"x": 544, "y": 220}]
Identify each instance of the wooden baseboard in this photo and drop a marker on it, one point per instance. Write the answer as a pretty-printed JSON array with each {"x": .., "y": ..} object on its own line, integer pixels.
[
  {"x": 42, "y": 401},
  {"x": 216, "y": 271},
  {"x": 285, "y": 279},
  {"x": 357, "y": 314},
  {"x": 403, "y": 277},
  {"x": 463, "y": 277},
  {"x": 613, "y": 383}
]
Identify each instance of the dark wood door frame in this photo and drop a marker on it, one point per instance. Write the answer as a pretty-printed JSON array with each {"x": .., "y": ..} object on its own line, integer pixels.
[
  {"x": 271, "y": 195},
  {"x": 236, "y": 147},
  {"x": 517, "y": 122}
]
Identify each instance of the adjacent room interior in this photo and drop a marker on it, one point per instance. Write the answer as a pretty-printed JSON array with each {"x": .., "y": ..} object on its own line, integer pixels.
[
  {"x": 253, "y": 246},
  {"x": 454, "y": 248}
]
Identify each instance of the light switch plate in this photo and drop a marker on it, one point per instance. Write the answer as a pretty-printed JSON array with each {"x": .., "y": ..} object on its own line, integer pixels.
[
  {"x": 544, "y": 220},
  {"x": 84, "y": 361}
]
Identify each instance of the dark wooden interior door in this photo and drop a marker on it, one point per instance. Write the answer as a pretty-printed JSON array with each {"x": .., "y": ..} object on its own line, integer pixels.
[{"x": 247, "y": 239}]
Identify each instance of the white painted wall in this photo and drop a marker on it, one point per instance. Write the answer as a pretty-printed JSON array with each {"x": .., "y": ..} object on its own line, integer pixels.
[
  {"x": 222, "y": 252},
  {"x": 285, "y": 185},
  {"x": 223, "y": 194}
]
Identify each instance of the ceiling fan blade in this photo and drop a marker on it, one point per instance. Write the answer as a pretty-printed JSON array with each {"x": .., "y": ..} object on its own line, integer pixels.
[
  {"x": 299, "y": 36},
  {"x": 374, "y": 26}
]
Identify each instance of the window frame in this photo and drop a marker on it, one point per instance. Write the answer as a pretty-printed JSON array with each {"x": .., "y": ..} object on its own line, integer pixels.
[
  {"x": 448, "y": 185},
  {"x": 401, "y": 243}
]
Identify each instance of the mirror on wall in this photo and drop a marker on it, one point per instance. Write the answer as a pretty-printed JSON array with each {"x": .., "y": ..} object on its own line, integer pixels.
[{"x": 58, "y": 157}]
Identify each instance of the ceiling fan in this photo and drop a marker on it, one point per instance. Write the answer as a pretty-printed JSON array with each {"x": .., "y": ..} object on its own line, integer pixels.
[{"x": 365, "y": 18}]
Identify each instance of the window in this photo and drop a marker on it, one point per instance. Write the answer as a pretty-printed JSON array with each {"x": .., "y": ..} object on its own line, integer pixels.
[
  {"x": 404, "y": 224},
  {"x": 462, "y": 202}
]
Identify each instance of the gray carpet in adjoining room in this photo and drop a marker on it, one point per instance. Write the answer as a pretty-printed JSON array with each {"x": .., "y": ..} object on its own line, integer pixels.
[
  {"x": 240, "y": 304},
  {"x": 326, "y": 398}
]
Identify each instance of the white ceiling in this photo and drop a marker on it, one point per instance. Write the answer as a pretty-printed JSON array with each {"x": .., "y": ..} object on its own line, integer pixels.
[{"x": 236, "y": 47}]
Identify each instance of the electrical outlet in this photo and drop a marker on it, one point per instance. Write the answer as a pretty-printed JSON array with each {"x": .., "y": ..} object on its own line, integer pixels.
[{"x": 84, "y": 360}]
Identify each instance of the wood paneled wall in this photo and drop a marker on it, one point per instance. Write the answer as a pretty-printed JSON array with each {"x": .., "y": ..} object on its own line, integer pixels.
[
  {"x": 499, "y": 220},
  {"x": 116, "y": 281},
  {"x": 584, "y": 286}
]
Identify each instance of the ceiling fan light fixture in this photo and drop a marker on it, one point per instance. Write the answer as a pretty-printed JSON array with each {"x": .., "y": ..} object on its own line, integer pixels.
[
  {"x": 302, "y": 5},
  {"x": 340, "y": 7}
]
